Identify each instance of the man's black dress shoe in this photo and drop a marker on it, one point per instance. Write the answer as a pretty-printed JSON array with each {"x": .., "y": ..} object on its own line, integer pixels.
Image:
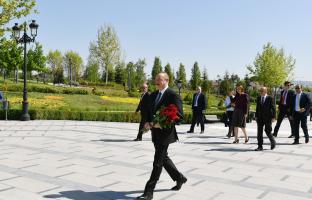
[
  {"x": 291, "y": 136},
  {"x": 179, "y": 184},
  {"x": 307, "y": 140},
  {"x": 295, "y": 142},
  {"x": 145, "y": 197},
  {"x": 137, "y": 139},
  {"x": 273, "y": 144},
  {"x": 259, "y": 149},
  {"x": 201, "y": 132},
  {"x": 274, "y": 134},
  {"x": 190, "y": 131}
]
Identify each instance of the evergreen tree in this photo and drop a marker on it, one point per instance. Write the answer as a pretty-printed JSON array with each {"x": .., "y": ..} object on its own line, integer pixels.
[
  {"x": 121, "y": 74},
  {"x": 170, "y": 74},
  {"x": 206, "y": 84},
  {"x": 131, "y": 76},
  {"x": 181, "y": 75},
  {"x": 157, "y": 68},
  {"x": 195, "y": 77}
]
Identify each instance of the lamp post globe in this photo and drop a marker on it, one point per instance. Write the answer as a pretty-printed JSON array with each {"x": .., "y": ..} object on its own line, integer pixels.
[{"x": 24, "y": 40}]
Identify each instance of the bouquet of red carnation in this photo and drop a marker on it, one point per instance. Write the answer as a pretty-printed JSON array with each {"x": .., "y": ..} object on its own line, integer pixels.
[{"x": 164, "y": 118}]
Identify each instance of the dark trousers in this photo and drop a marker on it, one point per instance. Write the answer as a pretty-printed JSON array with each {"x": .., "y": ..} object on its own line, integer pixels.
[
  {"x": 142, "y": 123},
  {"x": 198, "y": 116},
  {"x": 281, "y": 115},
  {"x": 300, "y": 118},
  {"x": 161, "y": 159},
  {"x": 267, "y": 125},
  {"x": 229, "y": 115}
]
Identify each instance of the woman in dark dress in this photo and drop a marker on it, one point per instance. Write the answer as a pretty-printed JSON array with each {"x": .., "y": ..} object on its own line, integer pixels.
[{"x": 240, "y": 104}]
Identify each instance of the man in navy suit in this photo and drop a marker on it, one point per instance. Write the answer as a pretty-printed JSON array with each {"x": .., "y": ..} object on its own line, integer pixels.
[
  {"x": 300, "y": 113},
  {"x": 284, "y": 108},
  {"x": 198, "y": 107},
  {"x": 265, "y": 115},
  {"x": 161, "y": 138}
]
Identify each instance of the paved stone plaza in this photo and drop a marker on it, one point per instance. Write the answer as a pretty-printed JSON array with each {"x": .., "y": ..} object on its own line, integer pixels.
[{"x": 99, "y": 161}]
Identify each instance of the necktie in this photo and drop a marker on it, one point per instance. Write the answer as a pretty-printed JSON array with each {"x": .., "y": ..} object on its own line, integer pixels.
[
  {"x": 284, "y": 97},
  {"x": 196, "y": 99},
  {"x": 262, "y": 100},
  {"x": 158, "y": 98}
]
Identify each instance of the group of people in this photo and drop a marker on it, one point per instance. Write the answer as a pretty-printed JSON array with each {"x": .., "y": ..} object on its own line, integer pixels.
[{"x": 295, "y": 105}]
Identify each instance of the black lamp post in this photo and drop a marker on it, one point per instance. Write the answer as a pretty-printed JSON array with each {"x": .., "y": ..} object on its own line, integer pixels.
[
  {"x": 24, "y": 40},
  {"x": 179, "y": 84}
]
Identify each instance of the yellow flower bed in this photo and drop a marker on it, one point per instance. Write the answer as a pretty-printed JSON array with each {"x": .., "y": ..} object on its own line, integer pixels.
[
  {"x": 121, "y": 99},
  {"x": 48, "y": 102},
  {"x": 54, "y": 97}
]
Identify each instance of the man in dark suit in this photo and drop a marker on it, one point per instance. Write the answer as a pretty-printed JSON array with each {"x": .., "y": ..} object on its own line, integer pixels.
[
  {"x": 198, "y": 107},
  {"x": 265, "y": 115},
  {"x": 163, "y": 137},
  {"x": 284, "y": 108},
  {"x": 143, "y": 107},
  {"x": 300, "y": 113}
]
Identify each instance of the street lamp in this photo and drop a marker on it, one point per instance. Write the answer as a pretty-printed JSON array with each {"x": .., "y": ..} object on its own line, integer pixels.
[
  {"x": 24, "y": 40},
  {"x": 179, "y": 84}
]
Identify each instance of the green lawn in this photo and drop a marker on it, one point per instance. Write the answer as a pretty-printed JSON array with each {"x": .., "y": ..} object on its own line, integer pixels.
[{"x": 76, "y": 102}]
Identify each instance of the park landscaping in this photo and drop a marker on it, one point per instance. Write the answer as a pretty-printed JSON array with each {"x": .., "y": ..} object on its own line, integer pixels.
[{"x": 105, "y": 103}]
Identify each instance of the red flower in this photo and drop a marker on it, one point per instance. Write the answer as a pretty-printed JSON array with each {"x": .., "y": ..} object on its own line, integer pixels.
[{"x": 167, "y": 116}]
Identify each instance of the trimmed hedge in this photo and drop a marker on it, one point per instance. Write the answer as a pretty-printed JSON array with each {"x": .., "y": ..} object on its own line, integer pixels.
[{"x": 108, "y": 116}]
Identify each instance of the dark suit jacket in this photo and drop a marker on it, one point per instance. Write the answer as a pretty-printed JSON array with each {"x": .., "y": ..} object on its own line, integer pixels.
[
  {"x": 165, "y": 136},
  {"x": 266, "y": 111},
  {"x": 305, "y": 102},
  {"x": 201, "y": 102},
  {"x": 144, "y": 105},
  {"x": 289, "y": 99}
]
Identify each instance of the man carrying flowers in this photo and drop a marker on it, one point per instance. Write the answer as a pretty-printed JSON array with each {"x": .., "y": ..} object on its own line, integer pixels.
[{"x": 165, "y": 111}]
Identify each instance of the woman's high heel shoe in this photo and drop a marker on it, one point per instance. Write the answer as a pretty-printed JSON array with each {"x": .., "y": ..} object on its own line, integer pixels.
[
  {"x": 236, "y": 141},
  {"x": 246, "y": 140}
]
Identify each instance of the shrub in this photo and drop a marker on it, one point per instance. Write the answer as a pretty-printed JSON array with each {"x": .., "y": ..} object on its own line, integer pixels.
[{"x": 116, "y": 116}]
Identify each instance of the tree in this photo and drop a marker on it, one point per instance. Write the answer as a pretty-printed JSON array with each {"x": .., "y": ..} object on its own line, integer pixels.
[
  {"x": 74, "y": 64},
  {"x": 206, "y": 84},
  {"x": 181, "y": 75},
  {"x": 225, "y": 86},
  {"x": 10, "y": 57},
  {"x": 36, "y": 60},
  {"x": 272, "y": 67},
  {"x": 55, "y": 60},
  {"x": 107, "y": 50},
  {"x": 140, "y": 74},
  {"x": 170, "y": 74},
  {"x": 11, "y": 9},
  {"x": 92, "y": 71},
  {"x": 195, "y": 77},
  {"x": 157, "y": 68},
  {"x": 121, "y": 74},
  {"x": 234, "y": 80},
  {"x": 131, "y": 76}
]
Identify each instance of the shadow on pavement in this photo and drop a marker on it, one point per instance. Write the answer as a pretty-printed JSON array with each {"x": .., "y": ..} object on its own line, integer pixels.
[
  {"x": 230, "y": 150},
  {"x": 112, "y": 140},
  {"x": 104, "y": 195}
]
